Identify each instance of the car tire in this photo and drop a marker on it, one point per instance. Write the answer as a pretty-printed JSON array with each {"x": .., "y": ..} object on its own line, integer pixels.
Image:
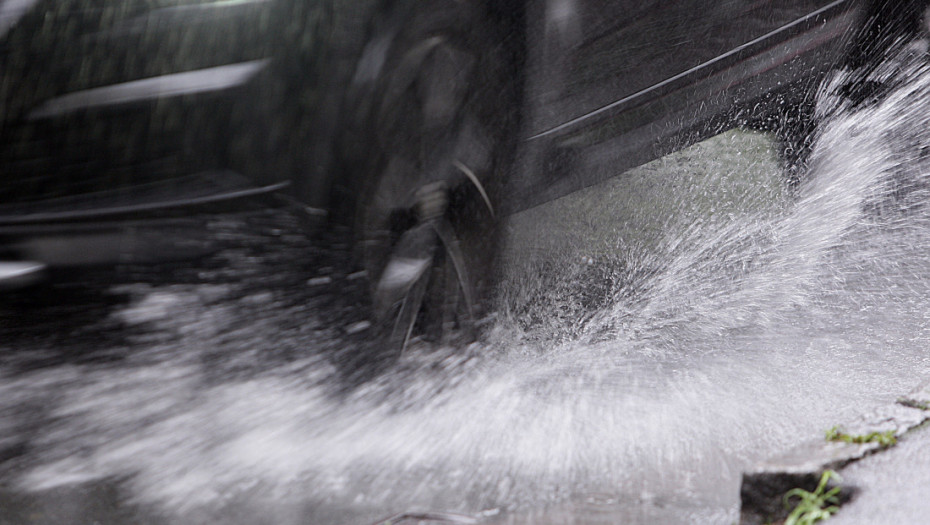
[{"x": 431, "y": 125}]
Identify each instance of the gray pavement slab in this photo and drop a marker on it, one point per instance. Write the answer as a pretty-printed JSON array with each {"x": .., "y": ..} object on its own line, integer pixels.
[
  {"x": 893, "y": 486},
  {"x": 851, "y": 451}
]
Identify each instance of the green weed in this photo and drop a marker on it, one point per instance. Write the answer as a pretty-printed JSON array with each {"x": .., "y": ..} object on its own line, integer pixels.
[
  {"x": 884, "y": 439},
  {"x": 813, "y": 506}
]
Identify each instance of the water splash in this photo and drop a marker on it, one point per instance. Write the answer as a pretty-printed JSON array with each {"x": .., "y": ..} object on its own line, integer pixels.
[{"x": 735, "y": 330}]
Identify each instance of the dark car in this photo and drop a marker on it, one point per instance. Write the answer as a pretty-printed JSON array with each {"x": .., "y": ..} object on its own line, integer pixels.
[{"x": 417, "y": 123}]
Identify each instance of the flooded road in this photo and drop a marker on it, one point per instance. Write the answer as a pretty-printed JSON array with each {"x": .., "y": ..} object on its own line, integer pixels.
[{"x": 654, "y": 336}]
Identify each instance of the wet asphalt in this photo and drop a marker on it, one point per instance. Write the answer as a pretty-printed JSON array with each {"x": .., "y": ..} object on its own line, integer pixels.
[
  {"x": 294, "y": 292},
  {"x": 267, "y": 295}
]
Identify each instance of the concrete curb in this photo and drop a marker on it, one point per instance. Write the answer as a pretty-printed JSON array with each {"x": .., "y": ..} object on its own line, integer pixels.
[{"x": 764, "y": 485}]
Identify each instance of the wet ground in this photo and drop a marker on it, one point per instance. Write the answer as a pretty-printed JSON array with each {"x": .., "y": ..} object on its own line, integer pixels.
[
  {"x": 615, "y": 385},
  {"x": 150, "y": 337},
  {"x": 262, "y": 271}
]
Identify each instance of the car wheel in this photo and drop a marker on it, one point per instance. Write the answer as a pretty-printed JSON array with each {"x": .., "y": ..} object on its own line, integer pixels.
[{"x": 431, "y": 130}]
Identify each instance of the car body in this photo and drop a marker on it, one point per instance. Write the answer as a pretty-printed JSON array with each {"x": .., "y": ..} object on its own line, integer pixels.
[
  {"x": 622, "y": 83},
  {"x": 118, "y": 117},
  {"x": 124, "y": 124}
]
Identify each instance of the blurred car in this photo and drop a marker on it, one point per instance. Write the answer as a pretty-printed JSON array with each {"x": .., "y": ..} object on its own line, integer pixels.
[
  {"x": 116, "y": 124},
  {"x": 418, "y": 123}
]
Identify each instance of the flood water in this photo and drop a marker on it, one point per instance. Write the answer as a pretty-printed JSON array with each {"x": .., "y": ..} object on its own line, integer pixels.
[{"x": 655, "y": 336}]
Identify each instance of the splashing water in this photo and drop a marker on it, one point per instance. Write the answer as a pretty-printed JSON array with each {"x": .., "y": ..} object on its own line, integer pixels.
[{"x": 727, "y": 332}]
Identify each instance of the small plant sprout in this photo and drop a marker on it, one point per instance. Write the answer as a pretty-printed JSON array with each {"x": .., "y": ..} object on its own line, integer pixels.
[
  {"x": 813, "y": 506},
  {"x": 884, "y": 439}
]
